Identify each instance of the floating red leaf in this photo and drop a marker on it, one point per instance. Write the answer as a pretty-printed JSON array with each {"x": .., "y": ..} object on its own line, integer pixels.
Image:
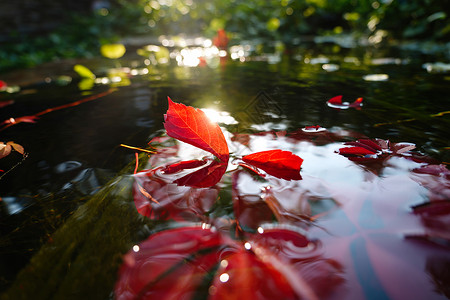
[
  {"x": 192, "y": 126},
  {"x": 336, "y": 102},
  {"x": 3, "y": 85},
  {"x": 373, "y": 150},
  {"x": 278, "y": 163},
  {"x": 355, "y": 151},
  {"x": 366, "y": 143},
  {"x": 400, "y": 148},
  {"x": 357, "y": 103}
]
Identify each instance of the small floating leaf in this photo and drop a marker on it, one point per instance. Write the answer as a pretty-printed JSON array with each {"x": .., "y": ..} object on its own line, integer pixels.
[
  {"x": 3, "y": 85},
  {"x": 83, "y": 71},
  {"x": 336, "y": 102},
  {"x": 113, "y": 50}
]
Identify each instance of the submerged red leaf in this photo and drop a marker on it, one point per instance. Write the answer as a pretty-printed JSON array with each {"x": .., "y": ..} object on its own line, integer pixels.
[
  {"x": 278, "y": 163},
  {"x": 192, "y": 126}
]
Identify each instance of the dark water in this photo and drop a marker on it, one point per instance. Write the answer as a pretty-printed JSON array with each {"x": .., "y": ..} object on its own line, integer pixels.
[{"x": 73, "y": 151}]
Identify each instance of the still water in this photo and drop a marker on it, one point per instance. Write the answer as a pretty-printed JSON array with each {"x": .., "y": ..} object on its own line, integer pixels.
[{"x": 74, "y": 149}]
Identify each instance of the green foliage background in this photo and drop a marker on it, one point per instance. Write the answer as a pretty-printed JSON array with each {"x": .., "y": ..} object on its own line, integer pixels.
[{"x": 284, "y": 20}]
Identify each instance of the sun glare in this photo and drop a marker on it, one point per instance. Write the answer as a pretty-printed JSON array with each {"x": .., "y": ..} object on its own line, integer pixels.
[{"x": 222, "y": 117}]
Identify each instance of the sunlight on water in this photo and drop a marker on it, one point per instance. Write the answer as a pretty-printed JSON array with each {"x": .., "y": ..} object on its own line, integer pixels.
[{"x": 221, "y": 117}]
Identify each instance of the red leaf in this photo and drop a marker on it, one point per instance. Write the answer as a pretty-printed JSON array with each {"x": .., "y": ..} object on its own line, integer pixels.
[
  {"x": 357, "y": 103},
  {"x": 335, "y": 100},
  {"x": 221, "y": 39},
  {"x": 278, "y": 163},
  {"x": 366, "y": 143},
  {"x": 3, "y": 85},
  {"x": 400, "y": 148},
  {"x": 192, "y": 126},
  {"x": 355, "y": 151},
  {"x": 204, "y": 177},
  {"x": 182, "y": 165}
]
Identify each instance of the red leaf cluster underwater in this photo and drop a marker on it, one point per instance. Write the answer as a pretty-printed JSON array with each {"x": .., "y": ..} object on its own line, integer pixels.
[{"x": 342, "y": 232}]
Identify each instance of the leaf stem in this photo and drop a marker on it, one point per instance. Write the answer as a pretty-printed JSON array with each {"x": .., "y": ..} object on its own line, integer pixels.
[{"x": 137, "y": 148}]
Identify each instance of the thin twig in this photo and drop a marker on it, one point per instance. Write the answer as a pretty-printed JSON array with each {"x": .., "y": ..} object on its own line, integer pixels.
[
  {"x": 137, "y": 148},
  {"x": 13, "y": 167}
]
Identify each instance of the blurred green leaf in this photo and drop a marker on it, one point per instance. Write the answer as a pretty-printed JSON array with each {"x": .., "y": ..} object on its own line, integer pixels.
[
  {"x": 113, "y": 51},
  {"x": 273, "y": 24},
  {"x": 84, "y": 72}
]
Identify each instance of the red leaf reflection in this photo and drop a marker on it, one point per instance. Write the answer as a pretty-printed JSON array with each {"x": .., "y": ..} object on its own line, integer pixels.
[
  {"x": 183, "y": 165},
  {"x": 174, "y": 264},
  {"x": 207, "y": 176},
  {"x": 156, "y": 197},
  {"x": 435, "y": 216},
  {"x": 168, "y": 265}
]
